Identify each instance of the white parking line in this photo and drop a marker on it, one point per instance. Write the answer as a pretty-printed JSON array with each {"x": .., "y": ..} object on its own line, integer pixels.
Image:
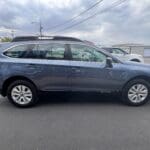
[{"x": 1, "y": 99}]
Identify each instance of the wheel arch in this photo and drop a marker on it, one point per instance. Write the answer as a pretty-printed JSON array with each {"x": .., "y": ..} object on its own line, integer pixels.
[
  {"x": 146, "y": 78},
  {"x": 9, "y": 80}
]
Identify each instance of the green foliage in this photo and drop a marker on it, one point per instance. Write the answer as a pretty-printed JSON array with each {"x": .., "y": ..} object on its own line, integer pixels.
[{"x": 6, "y": 39}]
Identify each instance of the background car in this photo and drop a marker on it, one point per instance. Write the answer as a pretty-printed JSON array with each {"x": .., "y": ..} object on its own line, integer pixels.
[{"x": 123, "y": 55}]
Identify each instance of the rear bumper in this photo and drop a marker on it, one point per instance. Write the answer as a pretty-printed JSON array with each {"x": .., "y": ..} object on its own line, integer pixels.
[{"x": 0, "y": 92}]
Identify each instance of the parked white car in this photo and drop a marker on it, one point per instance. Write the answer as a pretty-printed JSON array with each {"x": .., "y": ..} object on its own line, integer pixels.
[{"x": 123, "y": 55}]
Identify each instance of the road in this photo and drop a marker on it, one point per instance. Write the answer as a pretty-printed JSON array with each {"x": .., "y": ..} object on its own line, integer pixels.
[{"x": 75, "y": 122}]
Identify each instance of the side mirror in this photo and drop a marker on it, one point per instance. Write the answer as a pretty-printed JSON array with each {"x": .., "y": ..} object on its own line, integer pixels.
[{"x": 109, "y": 62}]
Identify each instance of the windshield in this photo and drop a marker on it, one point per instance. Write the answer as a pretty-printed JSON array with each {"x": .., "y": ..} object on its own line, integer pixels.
[
  {"x": 118, "y": 51},
  {"x": 115, "y": 51}
]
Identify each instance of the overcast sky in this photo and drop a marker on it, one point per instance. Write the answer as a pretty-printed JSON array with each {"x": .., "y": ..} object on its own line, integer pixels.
[{"x": 126, "y": 23}]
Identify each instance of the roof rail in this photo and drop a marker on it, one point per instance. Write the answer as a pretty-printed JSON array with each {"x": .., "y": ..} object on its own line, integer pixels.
[{"x": 37, "y": 38}]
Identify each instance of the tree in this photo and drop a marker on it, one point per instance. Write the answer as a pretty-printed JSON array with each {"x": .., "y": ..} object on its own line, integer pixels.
[{"x": 6, "y": 39}]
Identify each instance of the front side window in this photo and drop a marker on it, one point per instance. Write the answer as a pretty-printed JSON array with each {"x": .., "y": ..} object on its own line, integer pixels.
[
  {"x": 22, "y": 51},
  {"x": 117, "y": 51},
  {"x": 85, "y": 53},
  {"x": 52, "y": 51}
]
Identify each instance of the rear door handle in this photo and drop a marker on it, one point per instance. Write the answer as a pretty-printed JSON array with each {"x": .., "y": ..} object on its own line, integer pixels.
[
  {"x": 31, "y": 65},
  {"x": 76, "y": 70}
]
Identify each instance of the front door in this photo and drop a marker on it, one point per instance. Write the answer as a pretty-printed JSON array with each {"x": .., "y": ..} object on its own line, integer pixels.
[{"x": 89, "y": 71}]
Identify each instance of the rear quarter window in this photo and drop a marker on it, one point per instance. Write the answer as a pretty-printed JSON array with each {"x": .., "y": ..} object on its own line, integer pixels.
[{"x": 22, "y": 51}]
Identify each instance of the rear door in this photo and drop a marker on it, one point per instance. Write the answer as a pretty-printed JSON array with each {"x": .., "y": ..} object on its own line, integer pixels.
[
  {"x": 55, "y": 66},
  {"x": 45, "y": 64}
]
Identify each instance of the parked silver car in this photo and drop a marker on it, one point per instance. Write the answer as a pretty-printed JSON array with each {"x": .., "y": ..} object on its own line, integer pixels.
[{"x": 123, "y": 55}]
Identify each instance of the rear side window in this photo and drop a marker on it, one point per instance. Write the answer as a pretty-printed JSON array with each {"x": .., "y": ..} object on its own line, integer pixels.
[
  {"x": 23, "y": 51},
  {"x": 52, "y": 51},
  {"x": 37, "y": 51}
]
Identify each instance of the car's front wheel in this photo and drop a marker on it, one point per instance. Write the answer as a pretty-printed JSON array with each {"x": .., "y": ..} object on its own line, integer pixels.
[
  {"x": 22, "y": 93},
  {"x": 136, "y": 92}
]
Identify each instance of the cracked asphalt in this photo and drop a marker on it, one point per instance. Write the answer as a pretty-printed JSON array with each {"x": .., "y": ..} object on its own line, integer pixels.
[{"x": 75, "y": 122}]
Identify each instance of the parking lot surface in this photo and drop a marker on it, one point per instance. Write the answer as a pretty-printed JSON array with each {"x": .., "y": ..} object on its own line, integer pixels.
[{"x": 75, "y": 122}]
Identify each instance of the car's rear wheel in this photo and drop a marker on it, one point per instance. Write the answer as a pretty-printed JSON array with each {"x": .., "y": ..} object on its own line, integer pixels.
[
  {"x": 22, "y": 93},
  {"x": 136, "y": 92}
]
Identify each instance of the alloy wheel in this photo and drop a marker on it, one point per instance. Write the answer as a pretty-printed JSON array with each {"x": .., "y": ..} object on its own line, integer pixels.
[
  {"x": 138, "y": 93},
  {"x": 21, "y": 94}
]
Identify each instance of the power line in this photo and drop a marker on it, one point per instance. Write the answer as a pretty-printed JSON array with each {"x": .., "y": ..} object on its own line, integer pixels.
[
  {"x": 90, "y": 17},
  {"x": 73, "y": 18},
  {"x": 115, "y": 4}
]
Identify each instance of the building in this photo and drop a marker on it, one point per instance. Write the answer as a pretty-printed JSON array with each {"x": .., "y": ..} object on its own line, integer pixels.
[{"x": 140, "y": 49}]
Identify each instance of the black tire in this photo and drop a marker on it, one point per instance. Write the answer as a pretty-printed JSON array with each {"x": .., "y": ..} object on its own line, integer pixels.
[
  {"x": 127, "y": 87},
  {"x": 29, "y": 85}
]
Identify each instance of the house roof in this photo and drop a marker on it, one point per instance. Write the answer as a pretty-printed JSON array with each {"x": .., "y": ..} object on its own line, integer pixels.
[{"x": 129, "y": 45}]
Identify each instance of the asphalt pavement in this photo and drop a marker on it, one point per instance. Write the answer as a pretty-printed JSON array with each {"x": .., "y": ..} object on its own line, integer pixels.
[{"x": 75, "y": 122}]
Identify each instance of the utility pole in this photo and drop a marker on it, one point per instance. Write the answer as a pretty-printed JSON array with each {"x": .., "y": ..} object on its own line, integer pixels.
[
  {"x": 41, "y": 28},
  {"x": 12, "y": 33},
  {"x": 39, "y": 21}
]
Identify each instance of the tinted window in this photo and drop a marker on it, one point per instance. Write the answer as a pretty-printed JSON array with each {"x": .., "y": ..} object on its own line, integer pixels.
[
  {"x": 51, "y": 51},
  {"x": 22, "y": 51},
  {"x": 85, "y": 53}
]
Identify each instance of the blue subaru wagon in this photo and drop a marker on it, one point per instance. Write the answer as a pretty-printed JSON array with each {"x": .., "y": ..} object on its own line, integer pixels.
[{"x": 29, "y": 65}]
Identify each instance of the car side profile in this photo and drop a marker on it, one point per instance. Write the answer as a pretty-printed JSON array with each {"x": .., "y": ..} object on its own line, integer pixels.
[
  {"x": 123, "y": 55},
  {"x": 29, "y": 67}
]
